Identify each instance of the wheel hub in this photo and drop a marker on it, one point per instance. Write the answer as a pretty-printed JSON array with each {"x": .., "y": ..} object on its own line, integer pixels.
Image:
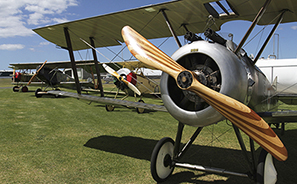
[{"x": 167, "y": 160}]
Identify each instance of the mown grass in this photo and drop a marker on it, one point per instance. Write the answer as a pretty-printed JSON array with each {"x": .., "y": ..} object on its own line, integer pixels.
[{"x": 65, "y": 140}]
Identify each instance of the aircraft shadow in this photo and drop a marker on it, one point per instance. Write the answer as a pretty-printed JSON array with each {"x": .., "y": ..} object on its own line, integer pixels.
[
  {"x": 119, "y": 108},
  {"x": 229, "y": 159}
]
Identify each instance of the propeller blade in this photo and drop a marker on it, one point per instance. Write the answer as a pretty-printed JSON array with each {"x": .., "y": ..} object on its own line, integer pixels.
[
  {"x": 120, "y": 78},
  {"x": 239, "y": 114},
  {"x": 36, "y": 73}
]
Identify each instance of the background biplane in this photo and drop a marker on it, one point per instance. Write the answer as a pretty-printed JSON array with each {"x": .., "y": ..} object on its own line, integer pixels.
[
  {"x": 48, "y": 74},
  {"x": 231, "y": 77},
  {"x": 146, "y": 80}
]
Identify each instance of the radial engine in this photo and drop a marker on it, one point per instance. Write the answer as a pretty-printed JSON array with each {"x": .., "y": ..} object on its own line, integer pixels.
[{"x": 219, "y": 68}]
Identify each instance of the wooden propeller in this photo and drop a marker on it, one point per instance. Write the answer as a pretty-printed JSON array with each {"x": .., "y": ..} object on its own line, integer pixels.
[
  {"x": 239, "y": 114},
  {"x": 36, "y": 73},
  {"x": 120, "y": 78}
]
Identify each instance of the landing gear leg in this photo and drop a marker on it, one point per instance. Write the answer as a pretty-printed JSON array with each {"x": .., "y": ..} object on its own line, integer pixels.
[
  {"x": 166, "y": 154},
  {"x": 265, "y": 172}
]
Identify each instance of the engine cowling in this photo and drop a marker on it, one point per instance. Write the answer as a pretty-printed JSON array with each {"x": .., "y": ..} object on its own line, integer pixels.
[{"x": 216, "y": 67}]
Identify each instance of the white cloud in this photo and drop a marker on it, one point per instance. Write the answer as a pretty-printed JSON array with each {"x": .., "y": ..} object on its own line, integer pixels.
[
  {"x": 18, "y": 15},
  {"x": 59, "y": 20},
  {"x": 44, "y": 43},
  {"x": 11, "y": 46},
  {"x": 294, "y": 27}
]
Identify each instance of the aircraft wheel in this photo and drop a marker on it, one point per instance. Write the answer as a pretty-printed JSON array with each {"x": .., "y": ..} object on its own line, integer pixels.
[
  {"x": 109, "y": 107},
  {"x": 266, "y": 172},
  {"x": 161, "y": 159},
  {"x": 140, "y": 110},
  {"x": 25, "y": 89},
  {"x": 36, "y": 93},
  {"x": 15, "y": 89}
]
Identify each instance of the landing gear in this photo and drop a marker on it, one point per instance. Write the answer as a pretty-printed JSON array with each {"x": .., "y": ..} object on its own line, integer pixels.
[
  {"x": 16, "y": 89},
  {"x": 161, "y": 160},
  {"x": 266, "y": 172},
  {"x": 36, "y": 93},
  {"x": 109, "y": 107},
  {"x": 167, "y": 155},
  {"x": 24, "y": 89},
  {"x": 140, "y": 110}
]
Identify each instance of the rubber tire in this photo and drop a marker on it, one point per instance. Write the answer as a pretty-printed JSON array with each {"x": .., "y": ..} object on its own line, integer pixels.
[
  {"x": 36, "y": 93},
  {"x": 109, "y": 108},
  {"x": 25, "y": 89},
  {"x": 140, "y": 110},
  {"x": 266, "y": 172},
  {"x": 161, "y": 159},
  {"x": 15, "y": 89}
]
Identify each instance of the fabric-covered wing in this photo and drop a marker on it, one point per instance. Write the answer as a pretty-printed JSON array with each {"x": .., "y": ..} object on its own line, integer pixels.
[
  {"x": 54, "y": 64},
  {"x": 290, "y": 99},
  {"x": 284, "y": 116},
  {"x": 106, "y": 29},
  {"x": 112, "y": 101},
  {"x": 88, "y": 65}
]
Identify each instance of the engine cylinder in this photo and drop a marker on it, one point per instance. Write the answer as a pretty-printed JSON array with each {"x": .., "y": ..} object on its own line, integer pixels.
[{"x": 217, "y": 68}]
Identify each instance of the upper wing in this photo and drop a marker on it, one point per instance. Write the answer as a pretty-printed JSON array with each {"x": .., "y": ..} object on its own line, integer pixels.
[
  {"x": 54, "y": 64},
  {"x": 88, "y": 65},
  {"x": 106, "y": 29}
]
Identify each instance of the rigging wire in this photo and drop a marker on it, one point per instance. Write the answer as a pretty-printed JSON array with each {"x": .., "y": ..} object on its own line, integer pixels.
[
  {"x": 262, "y": 29},
  {"x": 114, "y": 63},
  {"x": 122, "y": 50}
]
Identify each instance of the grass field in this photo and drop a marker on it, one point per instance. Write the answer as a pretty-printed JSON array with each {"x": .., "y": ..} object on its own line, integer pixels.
[{"x": 65, "y": 140}]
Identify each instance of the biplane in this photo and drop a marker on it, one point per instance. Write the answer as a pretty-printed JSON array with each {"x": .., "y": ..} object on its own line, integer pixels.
[
  {"x": 131, "y": 77},
  {"x": 205, "y": 81},
  {"x": 48, "y": 74}
]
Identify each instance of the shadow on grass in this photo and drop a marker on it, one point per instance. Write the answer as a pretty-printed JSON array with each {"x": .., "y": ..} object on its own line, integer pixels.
[
  {"x": 229, "y": 159},
  {"x": 122, "y": 108}
]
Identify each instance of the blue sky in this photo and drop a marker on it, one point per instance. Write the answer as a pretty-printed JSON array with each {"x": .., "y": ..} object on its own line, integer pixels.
[{"x": 19, "y": 44}]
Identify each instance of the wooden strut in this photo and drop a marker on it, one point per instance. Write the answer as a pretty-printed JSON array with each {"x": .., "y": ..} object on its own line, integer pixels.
[
  {"x": 269, "y": 36},
  {"x": 256, "y": 20},
  {"x": 71, "y": 55},
  {"x": 99, "y": 82},
  {"x": 170, "y": 28}
]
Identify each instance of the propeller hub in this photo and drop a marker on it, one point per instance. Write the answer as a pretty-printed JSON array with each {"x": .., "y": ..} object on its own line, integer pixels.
[{"x": 184, "y": 79}]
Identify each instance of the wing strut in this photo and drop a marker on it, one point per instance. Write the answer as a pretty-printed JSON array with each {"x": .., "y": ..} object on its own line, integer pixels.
[
  {"x": 170, "y": 28},
  {"x": 270, "y": 35},
  {"x": 256, "y": 20},
  {"x": 71, "y": 55},
  {"x": 99, "y": 82}
]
